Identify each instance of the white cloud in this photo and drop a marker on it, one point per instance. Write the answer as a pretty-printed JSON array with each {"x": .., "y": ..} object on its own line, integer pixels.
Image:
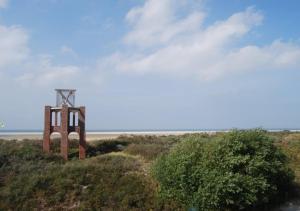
[
  {"x": 19, "y": 65},
  {"x": 185, "y": 47},
  {"x": 3, "y": 3},
  {"x": 42, "y": 72},
  {"x": 156, "y": 23},
  {"x": 13, "y": 45}
]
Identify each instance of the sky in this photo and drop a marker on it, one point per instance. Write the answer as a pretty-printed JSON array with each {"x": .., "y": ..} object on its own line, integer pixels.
[{"x": 152, "y": 64}]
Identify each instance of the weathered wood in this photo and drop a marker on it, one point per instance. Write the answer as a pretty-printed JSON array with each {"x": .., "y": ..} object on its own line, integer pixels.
[
  {"x": 64, "y": 125},
  {"x": 82, "y": 138},
  {"x": 47, "y": 129},
  {"x": 65, "y": 128}
]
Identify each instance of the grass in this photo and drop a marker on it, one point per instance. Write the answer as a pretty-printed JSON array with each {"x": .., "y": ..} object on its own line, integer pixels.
[
  {"x": 115, "y": 175},
  {"x": 290, "y": 144}
]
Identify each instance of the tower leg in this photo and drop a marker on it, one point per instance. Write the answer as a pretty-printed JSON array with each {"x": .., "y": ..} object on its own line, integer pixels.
[
  {"x": 47, "y": 129},
  {"x": 64, "y": 144},
  {"x": 82, "y": 138}
]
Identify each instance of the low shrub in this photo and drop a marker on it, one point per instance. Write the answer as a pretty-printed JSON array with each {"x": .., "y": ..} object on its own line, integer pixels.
[
  {"x": 148, "y": 147},
  {"x": 147, "y": 151},
  {"x": 102, "y": 147},
  {"x": 290, "y": 145},
  {"x": 242, "y": 170},
  {"x": 33, "y": 180},
  {"x": 104, "y": 182}
]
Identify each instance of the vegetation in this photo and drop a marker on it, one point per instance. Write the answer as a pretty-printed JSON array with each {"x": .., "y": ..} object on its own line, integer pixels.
[
  {"x": 108, "y": 180},
  {"x": 224, "y": 171},
  {"x": 240, "y": 171}
]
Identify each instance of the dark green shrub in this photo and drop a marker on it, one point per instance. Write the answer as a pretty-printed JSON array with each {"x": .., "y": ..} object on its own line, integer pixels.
[
  {"x": 102, "y": 147},
  {"x": 242, "y": 170}
]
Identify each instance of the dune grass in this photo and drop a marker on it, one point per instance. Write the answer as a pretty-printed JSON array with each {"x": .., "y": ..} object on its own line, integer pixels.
[{"x": 115, "y": 176}]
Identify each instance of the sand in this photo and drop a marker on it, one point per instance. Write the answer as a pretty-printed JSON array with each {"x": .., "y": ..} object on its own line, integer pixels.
[
  {"x": 91, "y": 136},
  {"x": 35, "y": 136}
]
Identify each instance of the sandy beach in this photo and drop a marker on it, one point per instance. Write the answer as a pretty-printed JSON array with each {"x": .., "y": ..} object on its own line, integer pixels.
[
  {"x": 38, "y": 136},
  {"x": 92, "y": 136}
]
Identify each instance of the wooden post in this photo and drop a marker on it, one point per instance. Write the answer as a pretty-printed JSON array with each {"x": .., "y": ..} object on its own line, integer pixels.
[
  {"x": 47, "y": 129},
  {"x": 64, "y": 145},
  {"x": 82, "y": 141}
]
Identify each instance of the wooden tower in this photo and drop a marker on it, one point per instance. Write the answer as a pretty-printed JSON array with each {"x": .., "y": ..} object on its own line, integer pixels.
[{"x": 65, "y": 118}]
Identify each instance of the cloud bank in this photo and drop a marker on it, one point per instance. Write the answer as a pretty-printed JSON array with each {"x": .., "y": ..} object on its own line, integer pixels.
[{"x": 163, "y": 41}]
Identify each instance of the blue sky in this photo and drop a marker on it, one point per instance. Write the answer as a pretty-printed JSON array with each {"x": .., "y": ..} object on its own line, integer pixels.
[{"x": 153, "y": 64}]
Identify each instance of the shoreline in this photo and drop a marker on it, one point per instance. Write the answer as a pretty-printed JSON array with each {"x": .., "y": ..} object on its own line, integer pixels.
[
  {"x": 91, "y": 136},
  {"x": 101, "y": 135}
]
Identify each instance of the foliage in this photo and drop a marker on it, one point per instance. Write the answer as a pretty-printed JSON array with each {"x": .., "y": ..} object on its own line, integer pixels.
[
  {"x": 115, "y": 176},
  {"x": 107, "y": 180},
  {"x": 150, "y": 147},
  {"x": 290, "y": 145},
  {"x": 241, "y": 170}
]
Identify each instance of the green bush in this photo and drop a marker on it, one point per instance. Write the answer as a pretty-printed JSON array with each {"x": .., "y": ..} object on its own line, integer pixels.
[
  {"x": 242, "y": 170},
  {"x": 33, "y": 180}
]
